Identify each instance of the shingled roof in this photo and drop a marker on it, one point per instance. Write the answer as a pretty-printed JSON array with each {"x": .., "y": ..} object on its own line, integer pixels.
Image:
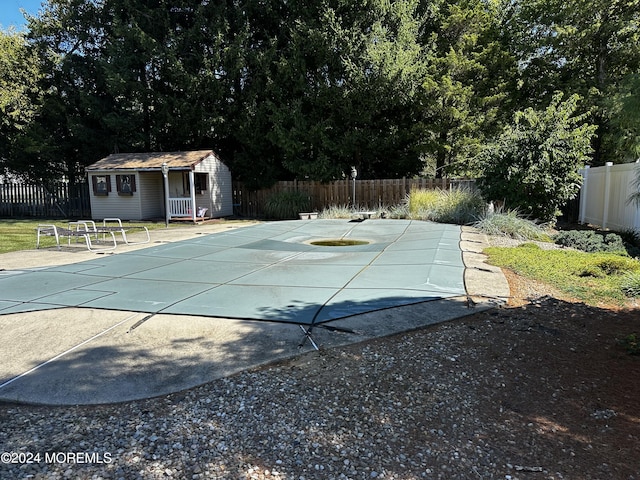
[{"x": 151, "y": 161}]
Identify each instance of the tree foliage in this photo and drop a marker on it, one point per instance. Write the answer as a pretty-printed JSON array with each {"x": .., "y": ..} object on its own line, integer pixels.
[
  {"x": 19, "y": 96},
  {"x": 279, "y": 89},
  {"x": 533, "y": 165},
  {"x": 472, "y": 75},
  {"x": 588, "y": 47},
  {"x": 285, "y": 90}
]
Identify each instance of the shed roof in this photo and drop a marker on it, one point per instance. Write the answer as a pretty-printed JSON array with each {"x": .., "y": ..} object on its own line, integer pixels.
[{"x": 151, "y": 160}]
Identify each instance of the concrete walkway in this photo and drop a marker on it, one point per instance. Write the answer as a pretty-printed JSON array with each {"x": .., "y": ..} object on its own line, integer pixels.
[{"x": 94, "y": 355}]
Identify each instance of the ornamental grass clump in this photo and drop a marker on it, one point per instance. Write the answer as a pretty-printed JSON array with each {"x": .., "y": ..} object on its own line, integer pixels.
[
  {"x": 458, "y": 206},
  {"x": 336, "y": 211},
  {"x": 286, "y": 205},
  {"x": 510, "y": 224}
]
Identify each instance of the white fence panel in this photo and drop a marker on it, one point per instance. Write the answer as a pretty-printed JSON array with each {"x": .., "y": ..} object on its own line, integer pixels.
[{"x": 604, "y": 197}]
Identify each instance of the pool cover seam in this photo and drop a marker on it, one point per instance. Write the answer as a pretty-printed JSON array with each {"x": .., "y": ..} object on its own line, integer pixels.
[
  {"x": 287, "y": 258},
  {"x": 341, "y": 289}
]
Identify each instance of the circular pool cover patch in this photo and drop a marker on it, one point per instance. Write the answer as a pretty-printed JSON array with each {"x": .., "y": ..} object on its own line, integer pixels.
[{"x": 339, "y": 242}]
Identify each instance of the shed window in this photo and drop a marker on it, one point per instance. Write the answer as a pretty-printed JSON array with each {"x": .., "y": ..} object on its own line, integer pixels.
[
  {"x": 101, "y": 184},
  {"x": 126, "y": 184},
  {"x": 201, "y": 181}
]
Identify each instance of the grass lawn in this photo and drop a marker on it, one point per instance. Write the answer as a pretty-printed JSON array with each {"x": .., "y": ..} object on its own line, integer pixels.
[
  {"x": 591, "y": 277},
  {"x": 16, "y": 235}
]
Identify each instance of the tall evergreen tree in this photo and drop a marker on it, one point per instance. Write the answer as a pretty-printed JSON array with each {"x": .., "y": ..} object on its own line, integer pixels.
[
  {"x": 20, "y": 98},
  {"x": 69, "y": 133},
  {"x": 472, "y": 77}
]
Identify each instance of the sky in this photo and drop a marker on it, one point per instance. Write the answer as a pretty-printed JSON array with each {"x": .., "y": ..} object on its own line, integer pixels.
[{"x": 10, "y": 12}]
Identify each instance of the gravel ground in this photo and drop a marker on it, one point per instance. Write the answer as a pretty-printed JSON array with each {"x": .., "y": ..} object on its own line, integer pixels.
[{"x": 540, "y": 389}]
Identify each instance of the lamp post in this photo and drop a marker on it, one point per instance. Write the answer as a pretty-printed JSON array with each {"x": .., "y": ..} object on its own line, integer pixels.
[
  {"x": 354, "y": 175},
  {"x": 165, "y": 175}
]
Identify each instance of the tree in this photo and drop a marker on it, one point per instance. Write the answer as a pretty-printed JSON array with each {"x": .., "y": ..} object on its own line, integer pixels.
[
  {"x": 588, "y": 47},
  {"x": 624, "y": 106},
  {"x": 343, "y": 90},
  {"x": 69, "y": 133},
  {"x": 19, "y": 98},
  {"x": 468, "y": 88},
  {"x": 533, "y": 165}
]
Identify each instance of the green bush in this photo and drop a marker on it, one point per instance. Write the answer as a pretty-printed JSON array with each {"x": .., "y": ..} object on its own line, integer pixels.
[
  {"x": 594, "y": 278},
  {"x": 631, "y": 344},
  {"x": 631, "y": 239},
  {"x": 631, "y": 284},
  {"x": 422, "y": 201},
  {"x": 530, "y": 246},
  {"x": 458, "y": 206},
  {"x": 616, "y": 265},
  {"x": 604, "y": 264},
  {"x": 286, "y": 205},
  {"x": 590, "y": 241},
  {"x": 510, "y": 224},
  {"x": 533, "y": 165}
]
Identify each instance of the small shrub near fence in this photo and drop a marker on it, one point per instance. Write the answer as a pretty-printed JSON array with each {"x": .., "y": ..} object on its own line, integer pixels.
[{"x": 369, "y": 194}]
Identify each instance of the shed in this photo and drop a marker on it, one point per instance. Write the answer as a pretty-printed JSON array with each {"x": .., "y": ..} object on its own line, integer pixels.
[{"x": 131, "y": 186}]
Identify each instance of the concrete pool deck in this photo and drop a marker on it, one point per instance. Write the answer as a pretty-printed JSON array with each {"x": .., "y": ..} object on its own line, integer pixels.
[{"x": 88, "y": 333}]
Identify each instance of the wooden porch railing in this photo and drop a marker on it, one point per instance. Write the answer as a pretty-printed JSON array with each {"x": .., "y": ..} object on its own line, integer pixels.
[{"x": 179, "y": 207}]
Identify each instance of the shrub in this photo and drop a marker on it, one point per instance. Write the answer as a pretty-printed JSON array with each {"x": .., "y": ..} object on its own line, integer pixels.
[
  {"x": 580, "y": 274},
  {"x": 530, "y": 246},
  {"x": 533, "y": 165},
  {"x": 631, "y": 344},
  {"x": 510, "y": 224},
  {"x": 631, "y": 239},
  {"x": 616, "y": 265},
  {"x": 286, "y": 205},
  {"x": 631, "y": 284},
  {"x": 590, "y": 241},
  {"x": 458, "y": 206},
  {"x": 422, "y": 201}
]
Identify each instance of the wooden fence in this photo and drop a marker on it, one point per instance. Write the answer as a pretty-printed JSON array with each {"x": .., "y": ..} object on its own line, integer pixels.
[
  {"x": 61, "y": 200},
  {"x": 367, "y": 194}
]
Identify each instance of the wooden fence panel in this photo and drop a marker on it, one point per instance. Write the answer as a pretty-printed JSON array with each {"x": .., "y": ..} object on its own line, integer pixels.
[
  {"x": 60, "y": 200},
  {"x": 369, "y": 194}
]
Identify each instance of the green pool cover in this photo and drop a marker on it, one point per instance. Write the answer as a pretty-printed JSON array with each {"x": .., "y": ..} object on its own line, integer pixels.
[{"x": 270, "y": 271}]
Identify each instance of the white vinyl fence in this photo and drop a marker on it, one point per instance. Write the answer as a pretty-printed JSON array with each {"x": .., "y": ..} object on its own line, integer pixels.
[{"x": 604, "y": 197}]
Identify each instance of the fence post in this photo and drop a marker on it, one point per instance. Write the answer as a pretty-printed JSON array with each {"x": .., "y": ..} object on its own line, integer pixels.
[
  {"x": 607, "y": 193},
  {"x": 583, "y": 193}
]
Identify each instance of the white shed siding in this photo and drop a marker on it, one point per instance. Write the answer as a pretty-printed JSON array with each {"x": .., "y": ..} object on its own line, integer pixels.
[
  {"x": 148, "y": 198},
  {"x": 218, "y": 198},
  {"x": 125, "y": 207},
  {"x": 151, "y": 195}
]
